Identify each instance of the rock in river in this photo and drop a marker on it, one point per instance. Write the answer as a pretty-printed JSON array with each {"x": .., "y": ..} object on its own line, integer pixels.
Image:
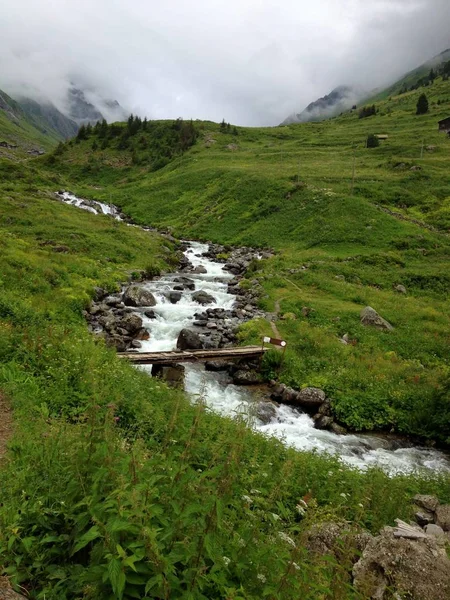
[
  {"x": 203, "y": 298},
  {"x": 135, "y": 295},
  {"x": 189, "y": 340}
]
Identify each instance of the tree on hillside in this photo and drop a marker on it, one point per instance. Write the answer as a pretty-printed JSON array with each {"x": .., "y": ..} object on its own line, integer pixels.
[
  {"x": 223, "y": 126},
  {"x": 81, "y": 135},
  {"x": 372, "y": 141},
  {"x": 422, "y": 105},
  {"x": 367, "y": 111}
]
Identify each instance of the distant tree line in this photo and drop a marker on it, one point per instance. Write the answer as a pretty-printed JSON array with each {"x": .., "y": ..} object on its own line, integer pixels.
[
  {"x": 153, "y": 143},
  {"x": 226, "y": 128},
  {"x": 441, "y": 71}
]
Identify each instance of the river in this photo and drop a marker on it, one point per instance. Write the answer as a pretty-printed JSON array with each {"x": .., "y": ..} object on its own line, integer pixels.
[{"x": 292, "y": 426}]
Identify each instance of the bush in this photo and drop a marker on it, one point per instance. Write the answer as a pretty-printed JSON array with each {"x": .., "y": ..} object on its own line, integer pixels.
[
  {"x": 372, "y": 141},
  {"x": 422, "y": 105}
]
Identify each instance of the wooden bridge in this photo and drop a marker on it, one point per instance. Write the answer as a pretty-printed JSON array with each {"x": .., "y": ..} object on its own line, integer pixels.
[{"x": 177, "y": 356}]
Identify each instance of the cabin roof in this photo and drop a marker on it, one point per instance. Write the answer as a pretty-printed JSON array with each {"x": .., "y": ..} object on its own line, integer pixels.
[{"x": 444, "y": 120}]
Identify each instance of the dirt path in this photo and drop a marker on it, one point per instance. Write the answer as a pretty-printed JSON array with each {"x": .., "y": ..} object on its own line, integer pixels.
[
  {"x": 5, "y": 425},
  {"x": 276, "y": 333}
]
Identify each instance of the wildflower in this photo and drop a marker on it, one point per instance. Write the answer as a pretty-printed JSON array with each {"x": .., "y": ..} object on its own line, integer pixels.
[
  {"x": 247, "y": 499},
  {"x": 284, "y": 536},
  {"x": 226, "y": 560},
  {"x": 275, "y": 516},
  {"x": 360, "y": 505},
  {"x": 199, "y": 471},
  {"x": 241, "y": 542},
  {"x": 301, "y": 511},
  {"x": 343, "y": 495},
  {"x": 261, "y": 578},
  {"x": 255, "y": 492},
  {"x": 302, "y": 503},
  {"x": 264, "y": 474},
  {"x": 330, "y": 473},
  {"x": 296, "y": 567}
]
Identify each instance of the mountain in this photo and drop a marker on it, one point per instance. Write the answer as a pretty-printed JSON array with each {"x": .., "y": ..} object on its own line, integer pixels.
[
  {"x": 340, "y": 99},
  {"x": 87, "y": 106},
  {"x": 46, "y": 115}
]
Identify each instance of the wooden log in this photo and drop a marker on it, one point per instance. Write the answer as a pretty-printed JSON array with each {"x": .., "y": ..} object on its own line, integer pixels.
[{"x": 175, "y": 356}]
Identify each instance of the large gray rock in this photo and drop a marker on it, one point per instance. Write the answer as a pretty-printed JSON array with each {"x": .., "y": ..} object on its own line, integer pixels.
[
  {"x": 189, "y": 340},
  {"x": 203, "y": 297},
  {"x": 323, "y": 422},
  {"x": 371, "y": 318},
  {"x": 173, "y": 296},
  {"x": 417, "y": 569},
  {"x": 310, "y": 397},
  {"x": 443, "y": 516},
  {"x": 200, "y": 270},
  {"x": 135, "y": 295},
  {"x": 186, "y": 282}
]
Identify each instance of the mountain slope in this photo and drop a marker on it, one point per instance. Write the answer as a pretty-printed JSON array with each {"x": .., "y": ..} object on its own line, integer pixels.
[
  {"x": 20, "y": 132},
  {"x": 45, "y": 116},
  {"x": 340, "y": 99}
]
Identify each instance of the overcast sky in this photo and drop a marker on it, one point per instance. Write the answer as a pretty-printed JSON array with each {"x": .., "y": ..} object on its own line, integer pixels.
[{"x": 252, "y": 62}]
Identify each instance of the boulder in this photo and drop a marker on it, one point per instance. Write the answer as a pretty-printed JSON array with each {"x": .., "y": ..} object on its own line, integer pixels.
[
  {"x": 371, "y": 318},
  {"x": 189, "y": 340},
  {"x": 113, "y": 301},
  {"x": 389, "y": 566},
  {"x": 424, "y": 517},
  {"x": 135, "y": 295},
  {"x": 432, "y": 529},
  {"x": 337, "y": 429},
  {"x": 246, "y": 378},
  {"x": 266, "y": 412},
  {"x": 200, "y": 270},
  {"x": 150, "y": 314},
  {"x": 400, "y": 289},
  {"x": 427, "y": 502},
  {"x": 322, "y": 421},
  {"x": 132, "y": 323},
  {"x": 216, "y": 365},
  {"x": 443, "y": 516},
  {"x": 203, "y": 297},
  {"x": 173, "y": 296},
  {"x": 186, "y": 282},
  {"x": 143, "y": 334},
  {"x": 340, "y": 540},
  {"x": 308, "y": 399}
]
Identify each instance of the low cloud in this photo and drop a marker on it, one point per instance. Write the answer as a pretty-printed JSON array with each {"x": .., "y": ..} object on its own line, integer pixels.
[{"x": 252, "y": 62}]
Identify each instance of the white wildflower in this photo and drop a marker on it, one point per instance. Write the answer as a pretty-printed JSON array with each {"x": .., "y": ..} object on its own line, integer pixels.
[
  {"x": 275, "y": 516},
  {"x": 261, "y": 578},
  {"x": 360, "y": 505},
  {"x": 343, "y": 495},
  {"x": 255, "y": 492},
  {"x": 296, "y": 567},
  {"x": 264, "y": 474},
  {"x": 284, "y": 536},
  {"x": 301, "y": 511},
  {"x": 247, "y": 499},
  {"x": 302, "y": 503},
  {"x": 226, "y": 560},
  {"x": 330, "y": 473},
  {"x": 241, "y": 542}
]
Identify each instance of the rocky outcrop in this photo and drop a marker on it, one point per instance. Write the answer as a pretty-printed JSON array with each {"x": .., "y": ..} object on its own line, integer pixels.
[
  {"x": 371, "y": 318},
  {"x": 265, "y": 412},
  {"x": 136, "y": 295},
  {"x": 243, "y": 377},
  {"x": 396, "y": 566}
]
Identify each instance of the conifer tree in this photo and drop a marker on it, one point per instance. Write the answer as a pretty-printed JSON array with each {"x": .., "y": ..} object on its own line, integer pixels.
[{"x": 422, "y": 105}]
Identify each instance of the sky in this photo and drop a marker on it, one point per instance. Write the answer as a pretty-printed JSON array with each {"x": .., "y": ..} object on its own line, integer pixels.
[{"x": 250, "y": 62}]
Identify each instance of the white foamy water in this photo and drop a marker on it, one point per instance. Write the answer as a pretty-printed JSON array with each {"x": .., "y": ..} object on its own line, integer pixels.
[
  {"x": 92, "y": 206},
  {"x": 296, "y": 429}
]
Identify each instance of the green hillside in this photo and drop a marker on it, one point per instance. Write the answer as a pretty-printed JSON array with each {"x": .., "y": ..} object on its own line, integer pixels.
[{"x": 23, "y": 132}]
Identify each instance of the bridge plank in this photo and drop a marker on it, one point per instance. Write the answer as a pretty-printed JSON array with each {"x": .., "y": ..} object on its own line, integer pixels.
[{"x": 175, "y": 356}]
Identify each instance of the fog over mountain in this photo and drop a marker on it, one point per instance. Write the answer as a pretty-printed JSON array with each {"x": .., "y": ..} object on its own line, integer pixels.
[{"x": 251, "y": 62}]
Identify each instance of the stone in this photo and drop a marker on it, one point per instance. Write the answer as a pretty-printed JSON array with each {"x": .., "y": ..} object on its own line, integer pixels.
[
  {"x": 424, "y": 517},
  {"x": 436, "y": 530},
  {"x": 289, "y": 316},
  {"x": 203, "y": 297},
  {"x": 309, "y": 399},
  {"x": 200, "y": 270},
  {"x": 173, "y": 375},
  {"x": 322, "y": 421},
  {"x": 200, "y": 323},
  {"x": 143, "y": 334},
  {"x": 246, "y": 378},
  {"x": 306, "y": 311},
  {"x": 99, "y": 293},
  {"x": 132, "y": 323},
  {"x": 136, "y": 344},
  {"x": 266, "y": 412},
  {"x": 426, "y": 501},
  {"x": 173, "y": 297},
  {"x": 216, "y": 365},
  {"x": 371, "y": 318},
  {"x": 178, "y": 288},
  {"x": 400, "y": 289},
  {"x": 189, "y": 340},
  {"x": 186, "y": 282},
  {"x": 150, "y": 314},
  {"x": 113, "y": 301},
  {"x": 417, "y": 569},
  {"x": 337, "y": 429},
  {"x": 340, "y": 540},
  {"x": 443, "y": 516},
  {"x": 7, "y": 592},
  {"x": 135, "y": 295}
]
